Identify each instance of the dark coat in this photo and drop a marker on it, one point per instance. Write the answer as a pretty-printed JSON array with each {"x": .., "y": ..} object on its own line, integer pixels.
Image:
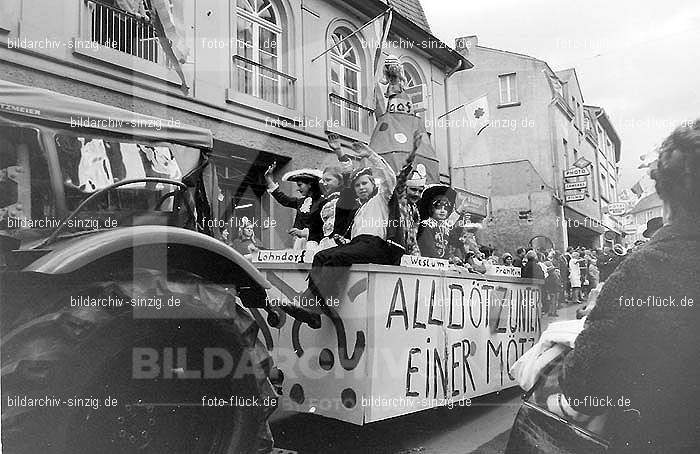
[
  {"x": 395, "y": 230},
  {"x": 302, "y": 219},
  {"x": 532, "y": 270},
  {"x": 647, "y": 354},
  {"x": 427, "y": 236},
  {"x": 552, "y": 283},
  {"x": 345, "y": 210}
]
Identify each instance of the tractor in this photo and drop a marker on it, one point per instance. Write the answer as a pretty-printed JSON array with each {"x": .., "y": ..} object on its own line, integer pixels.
[{"x": 122, "y": 316}]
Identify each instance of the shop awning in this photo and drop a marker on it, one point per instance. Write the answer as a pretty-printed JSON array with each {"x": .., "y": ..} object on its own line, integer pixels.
[
  {"x": 50, "y": 106},
  {"x": 577, "y": 222}
]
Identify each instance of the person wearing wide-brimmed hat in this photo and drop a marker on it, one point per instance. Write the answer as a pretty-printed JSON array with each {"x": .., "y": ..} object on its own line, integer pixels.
[
  {"x": 436, "y": 230},
  {"x": 308, "y": 185},
  {"x": 653, "y": 225}
]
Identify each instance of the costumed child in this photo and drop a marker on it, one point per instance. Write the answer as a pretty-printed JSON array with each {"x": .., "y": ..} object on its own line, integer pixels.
[
  {"x": 409, "y": 187},
  {"x": 309, "y": 187},
  {"x": 330, "y": 224},
  {"x": 323, "y": 220},
  {"x": 437, "y": 231}
]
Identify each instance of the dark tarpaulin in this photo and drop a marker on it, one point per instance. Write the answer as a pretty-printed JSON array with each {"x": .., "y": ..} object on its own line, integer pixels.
[{"x": 47, "y": 105}]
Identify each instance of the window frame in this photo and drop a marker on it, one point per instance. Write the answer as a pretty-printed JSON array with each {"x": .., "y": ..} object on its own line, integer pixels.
[
  {"x": 257, "y": 72},
  {"x": 413, "y": 70},
  {"x": 514, "y": 99},
  {"x": 604, "y": 187},
  {"x": 345, "y": 103}
]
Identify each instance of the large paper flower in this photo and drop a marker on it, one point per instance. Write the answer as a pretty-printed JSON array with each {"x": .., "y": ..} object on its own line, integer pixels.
[{"x": 306, "y": 206}]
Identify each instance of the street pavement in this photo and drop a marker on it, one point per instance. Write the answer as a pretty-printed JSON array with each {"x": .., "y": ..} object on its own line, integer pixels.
[{"x": 481, "y": 428}]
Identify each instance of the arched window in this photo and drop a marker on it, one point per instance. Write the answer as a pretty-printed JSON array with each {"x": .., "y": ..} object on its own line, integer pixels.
[
  {"x": 415, "y": 88},
  {"x": 345, "y": 72},
  {"x": 258, "y": 44}
]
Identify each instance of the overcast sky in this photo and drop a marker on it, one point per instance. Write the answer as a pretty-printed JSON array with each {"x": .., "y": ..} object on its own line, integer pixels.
[{"x": 640, "y": 61}]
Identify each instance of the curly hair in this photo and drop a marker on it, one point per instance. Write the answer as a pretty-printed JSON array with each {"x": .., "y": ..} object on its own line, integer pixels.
[{"x": 677, "y": 172}]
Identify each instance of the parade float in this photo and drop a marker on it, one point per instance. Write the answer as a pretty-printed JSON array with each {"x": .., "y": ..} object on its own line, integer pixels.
[{"x": 400, "y": 339}]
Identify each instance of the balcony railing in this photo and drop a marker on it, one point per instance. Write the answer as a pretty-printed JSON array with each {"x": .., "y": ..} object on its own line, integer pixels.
[
  {"x": 266, "y": 83},
  {"x": 124, "y": 32},
  {"x": 349, "y": 114}
]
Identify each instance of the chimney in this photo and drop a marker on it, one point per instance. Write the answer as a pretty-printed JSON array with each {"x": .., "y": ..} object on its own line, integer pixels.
[{"x": 465, "y": 44}]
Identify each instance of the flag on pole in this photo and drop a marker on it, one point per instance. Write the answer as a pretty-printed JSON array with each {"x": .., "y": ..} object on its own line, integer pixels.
[
  {"x": 382, "y": 25},
  {"x": 336, "y": 44},
  {"x": 477, "y": 114},
  {"x": 637, "y": 189}
]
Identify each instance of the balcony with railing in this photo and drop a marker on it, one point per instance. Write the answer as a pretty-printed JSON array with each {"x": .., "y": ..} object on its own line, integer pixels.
[
  {"x": 268, "y": 84},
  {"x": 124, "y": 32},
  {"x": 348, "y": 114}
]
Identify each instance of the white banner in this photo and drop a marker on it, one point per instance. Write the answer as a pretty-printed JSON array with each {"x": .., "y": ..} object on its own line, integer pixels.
[{"x": 403, "y": 340}]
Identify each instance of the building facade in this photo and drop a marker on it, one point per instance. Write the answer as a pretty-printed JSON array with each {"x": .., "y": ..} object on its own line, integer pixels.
[
  {"x": 253, "y": 74},
  {"x": 606, "y": 141},
  {"x": 539, "y": 127}
]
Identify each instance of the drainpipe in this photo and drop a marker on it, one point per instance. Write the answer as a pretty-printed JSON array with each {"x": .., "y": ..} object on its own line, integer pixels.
[{"x": 449, "y": 133}]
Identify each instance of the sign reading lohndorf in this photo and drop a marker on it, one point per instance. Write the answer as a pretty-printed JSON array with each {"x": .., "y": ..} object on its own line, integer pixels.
[{"x": 283, "y": 256}]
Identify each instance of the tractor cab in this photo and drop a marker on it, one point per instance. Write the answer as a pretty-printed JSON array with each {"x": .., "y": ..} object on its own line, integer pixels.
[{"x": 71, "y": 167}]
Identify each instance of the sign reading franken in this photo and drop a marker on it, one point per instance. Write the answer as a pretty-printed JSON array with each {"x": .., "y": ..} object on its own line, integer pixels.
[{"x": 397, "y": 124}]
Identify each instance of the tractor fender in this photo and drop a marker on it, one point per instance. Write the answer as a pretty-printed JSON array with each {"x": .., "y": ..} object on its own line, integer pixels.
[{"x": 72, "y": 254}]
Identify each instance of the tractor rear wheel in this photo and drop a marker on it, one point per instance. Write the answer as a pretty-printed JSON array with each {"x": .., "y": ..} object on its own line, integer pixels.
[{"x": 93, "y": 379}]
